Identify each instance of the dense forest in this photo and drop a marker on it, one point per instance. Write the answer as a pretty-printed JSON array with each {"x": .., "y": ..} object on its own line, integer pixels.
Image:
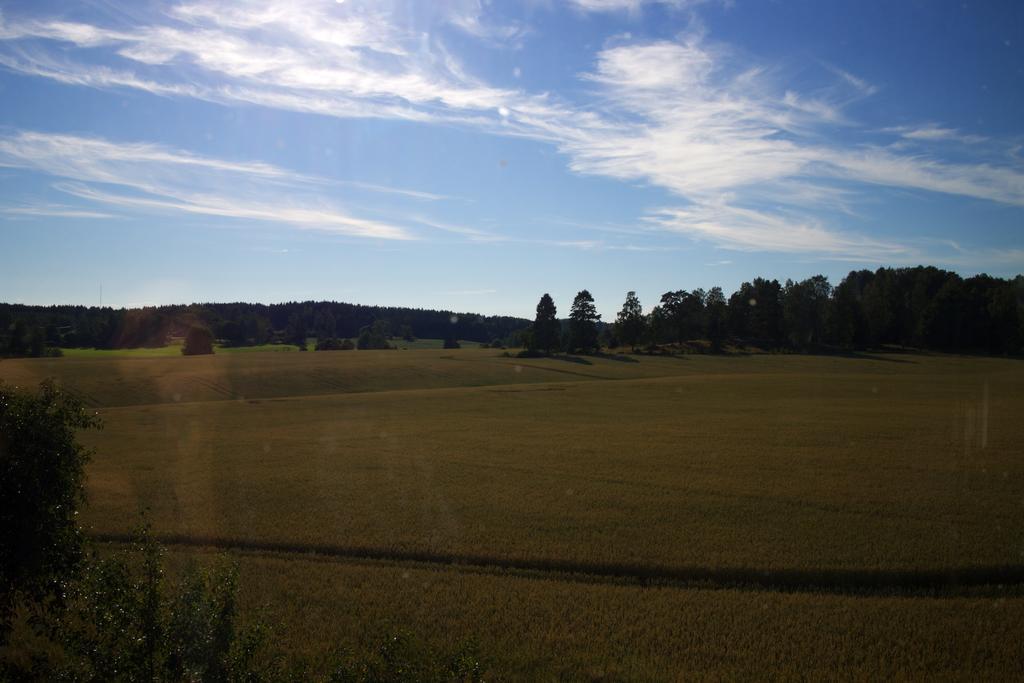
[
  {"x": 921, "y": 307},
  {"x": 32, "y": 330}
]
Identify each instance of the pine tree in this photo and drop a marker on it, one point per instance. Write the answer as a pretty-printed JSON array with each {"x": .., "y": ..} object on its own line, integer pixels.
[
  {"x": 583, "y": 318},
  {"x": 629, "y": 324},
  {"x": 546, "y": 328},
  {"x": 715, "y": 319}
]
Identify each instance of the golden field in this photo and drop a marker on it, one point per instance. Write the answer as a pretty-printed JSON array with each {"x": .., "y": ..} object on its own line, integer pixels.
[{"x": 635, "y": 517}]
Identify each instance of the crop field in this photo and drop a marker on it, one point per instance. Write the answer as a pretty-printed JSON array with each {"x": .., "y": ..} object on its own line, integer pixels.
[
  {"x": 172, "y": 350},
  {"x": 627, "y": 517}
]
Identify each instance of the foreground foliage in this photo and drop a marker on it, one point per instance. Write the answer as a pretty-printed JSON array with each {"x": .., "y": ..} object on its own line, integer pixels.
[
  {"x": 42, "y": 471},
  {"x": 113, "y": 617},
  {"x": 125, "y": 619}
]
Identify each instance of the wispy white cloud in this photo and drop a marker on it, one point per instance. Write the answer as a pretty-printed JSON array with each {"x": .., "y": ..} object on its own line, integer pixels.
[
  {"x": 472, "y": 234},
  {"x": 150, "y": 177},
  {"x": 881, "y": 167},
  {"x": 625, "y": 5},
  {"x": 984, "y": 258},
  {"x": 405, "y": 192},
  {"x": 933, "y": 132},
  {"x": 342, "y": 60},
  {"x": 744, "y": 229},
  {"x": 859, "y": 84},
  {"x": 44, "y": 210},
  {"x": 749, "y": 157},
  {"x": 99, "y": 160},
  {"x": 273, "y": 250},
  {"x": 471, "y": 16},
  {"x": 707, "y": 132}
]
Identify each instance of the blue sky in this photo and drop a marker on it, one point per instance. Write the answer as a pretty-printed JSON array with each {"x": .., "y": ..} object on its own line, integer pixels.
[{"x": 473, "y": 155}]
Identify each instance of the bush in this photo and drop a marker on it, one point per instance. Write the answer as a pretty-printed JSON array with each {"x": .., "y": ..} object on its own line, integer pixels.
[
  {"x": 125, "y": 621},
  {"x": 198, "y": 342},
  {"x": 42, "y": 469},
  {"x": 373, "y": 337},
  {"x": 334, "y": 344},
  {"x": 121, "y": 622}
]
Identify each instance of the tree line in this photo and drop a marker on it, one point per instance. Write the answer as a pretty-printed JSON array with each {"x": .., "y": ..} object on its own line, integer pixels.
[
  {"x": 37, "y": 330},
  {"x": 922, "y": 307}
]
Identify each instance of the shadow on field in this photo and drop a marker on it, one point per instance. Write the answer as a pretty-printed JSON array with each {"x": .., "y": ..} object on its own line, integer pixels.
[
  {"x": 975, "y": 581},
  {"x": 862, "y": 355},
  {"x": 621, "y": 357},
  {"x": 580, "y": 360}
]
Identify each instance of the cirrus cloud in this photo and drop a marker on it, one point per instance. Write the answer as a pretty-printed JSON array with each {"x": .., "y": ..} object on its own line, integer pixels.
[{"x": 751, "y": 160}]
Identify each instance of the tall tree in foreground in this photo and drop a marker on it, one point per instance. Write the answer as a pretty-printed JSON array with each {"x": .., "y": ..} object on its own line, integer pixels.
[
  {"x": 629, "y": 324},
  {"x": 583, "y": 319},
  {"x": 546, "y": 328},
  {"x": 41, "y": 486}
]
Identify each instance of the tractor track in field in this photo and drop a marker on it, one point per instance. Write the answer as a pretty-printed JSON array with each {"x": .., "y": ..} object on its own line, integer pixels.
[{"x": 979, "y": 581}]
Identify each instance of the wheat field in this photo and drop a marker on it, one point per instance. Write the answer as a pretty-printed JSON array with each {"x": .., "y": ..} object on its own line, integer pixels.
[{"x": 626, "y": 517}]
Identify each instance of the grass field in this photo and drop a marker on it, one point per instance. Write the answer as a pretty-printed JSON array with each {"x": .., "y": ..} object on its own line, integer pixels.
[
  {"x": 172, "y": 350},
  {"x": 641, "y": 517}
]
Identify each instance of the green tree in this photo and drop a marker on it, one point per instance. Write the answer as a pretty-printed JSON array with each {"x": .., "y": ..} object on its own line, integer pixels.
[
  {"x": 546, "y": 328},
  {"x": 714, "y": 320},
  {"x": 1005, "y": 314},
  {"x": 629, "y": 324},
  {"x": 805, "y": 310},
  {"x": 755, "y": 311},
  {"x": 656, "y": 325},
  {"x": 37, "y": 342},
  {"x": 684, "y": 311},
  {"x": 296, "y": 330},
  {"x": 374, "y": 336},
  {"x": 334, "y": 344},
  {"x": 943, "y": 322},
  {"x": 583, "y": 319},
  {"x": 324, "y": 325},
  {"x": 18, "y": 343},
  {"x": 198, "y": 342},
  {"x": 845, "y": 324},
  {"x": 233, "y": 333},
  {"x": 41, "y": 479}
]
